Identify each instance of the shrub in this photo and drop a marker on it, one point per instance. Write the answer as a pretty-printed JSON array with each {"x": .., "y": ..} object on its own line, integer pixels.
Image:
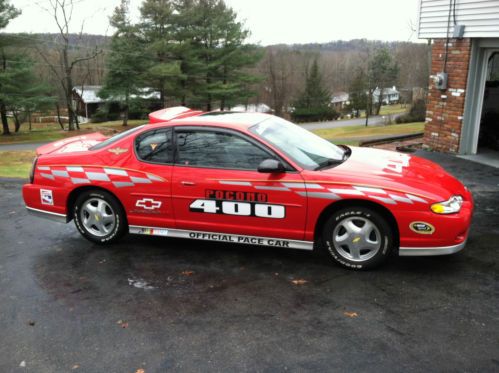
[
  {"x": 416, "y": 114},
  {"x": 301, "y": 115}
]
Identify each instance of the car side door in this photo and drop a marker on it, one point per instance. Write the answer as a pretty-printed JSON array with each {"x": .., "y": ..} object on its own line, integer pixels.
[
  {"x": 216, "y": 186},
  {"x": 149, "y": 201}
]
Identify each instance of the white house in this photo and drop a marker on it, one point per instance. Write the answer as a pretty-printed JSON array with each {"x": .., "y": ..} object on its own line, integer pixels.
[
  {"x": 339, "y": 100},
  {"x": 389, "y": 96},
  {"x": 87, "y": 100}
]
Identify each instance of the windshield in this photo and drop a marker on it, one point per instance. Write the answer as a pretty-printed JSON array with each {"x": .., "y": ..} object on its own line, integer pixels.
[
  {"x": 308, "y": 150},
  {"x": 115, "y": 138}
]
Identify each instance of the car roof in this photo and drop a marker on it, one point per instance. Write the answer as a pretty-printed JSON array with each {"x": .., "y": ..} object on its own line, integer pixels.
[{"x": 226, "y": 118}]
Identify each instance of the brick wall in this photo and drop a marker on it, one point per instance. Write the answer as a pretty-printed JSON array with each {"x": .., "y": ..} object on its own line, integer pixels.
[{"x": 444, "y": 115}]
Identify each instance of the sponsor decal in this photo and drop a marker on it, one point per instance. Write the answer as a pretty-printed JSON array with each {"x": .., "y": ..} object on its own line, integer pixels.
[
  {"x": 117, "y": 151},
  {"x": 46, "y": 197},
  {"x": 153, "y": 231},
  {"x": 261, "y": 210},
  {"x": 421, "y": 227},
  {"x": 148, "y": 203}
]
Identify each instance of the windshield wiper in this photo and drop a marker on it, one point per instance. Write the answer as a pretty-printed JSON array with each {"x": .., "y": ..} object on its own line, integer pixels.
[
  {"x": 334, "y": 162},
  {"x": 329, "y": 162}
]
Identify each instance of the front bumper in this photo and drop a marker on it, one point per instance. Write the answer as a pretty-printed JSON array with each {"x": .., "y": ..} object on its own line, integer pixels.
[{"x": 431, "y": 251}]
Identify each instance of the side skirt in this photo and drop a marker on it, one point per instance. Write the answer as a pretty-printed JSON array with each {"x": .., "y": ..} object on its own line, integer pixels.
[
  {"x": 222, "y": 237},
  {"x": 60, "y": 218}
]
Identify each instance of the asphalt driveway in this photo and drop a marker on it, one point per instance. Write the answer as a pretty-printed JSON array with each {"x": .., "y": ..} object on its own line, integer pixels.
[{"x": 161, "y": 304}]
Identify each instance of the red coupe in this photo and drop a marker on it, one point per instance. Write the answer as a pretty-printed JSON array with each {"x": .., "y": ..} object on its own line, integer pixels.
[{"x": 251, "y": 179}]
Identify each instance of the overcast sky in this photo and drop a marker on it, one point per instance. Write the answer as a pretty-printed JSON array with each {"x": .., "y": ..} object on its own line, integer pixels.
[{"x": 270, "y": 21}]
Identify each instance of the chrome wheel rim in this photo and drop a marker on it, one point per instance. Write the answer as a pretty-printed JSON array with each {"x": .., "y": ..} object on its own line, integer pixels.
[
  {"x": 357, "y": 239},
  {"x": 98, "y": 217}
]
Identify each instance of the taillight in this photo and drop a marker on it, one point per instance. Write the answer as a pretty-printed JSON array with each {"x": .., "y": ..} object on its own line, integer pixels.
[{"x": 32, "y": 172}]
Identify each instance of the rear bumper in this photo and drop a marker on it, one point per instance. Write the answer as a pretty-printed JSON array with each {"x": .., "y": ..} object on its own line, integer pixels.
[
  {"x": 54, "y": 216},
  {"x": 431, "y": 251}
]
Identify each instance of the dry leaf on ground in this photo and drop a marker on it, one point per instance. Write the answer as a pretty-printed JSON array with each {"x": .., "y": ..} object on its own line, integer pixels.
[
  {"x": 350, "y": 314},
  {"x": 299, "y": 281}
]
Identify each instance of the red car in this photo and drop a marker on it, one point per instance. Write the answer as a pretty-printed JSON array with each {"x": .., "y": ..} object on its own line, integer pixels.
[{"x": 252, "y": 179}]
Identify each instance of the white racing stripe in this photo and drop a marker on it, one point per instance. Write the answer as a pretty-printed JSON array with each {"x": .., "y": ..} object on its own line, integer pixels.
[
  {"x": 230, "y": 182},
  {"x": 370, "y": 190}
]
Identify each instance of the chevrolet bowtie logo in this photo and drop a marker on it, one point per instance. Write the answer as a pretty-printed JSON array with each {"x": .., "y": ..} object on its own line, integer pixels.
[{"x": 148, "y": 203}]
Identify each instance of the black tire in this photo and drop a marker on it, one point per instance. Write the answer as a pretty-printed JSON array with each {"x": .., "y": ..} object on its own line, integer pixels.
[
  {"x": 367, "y": 247},
  {"x": 104, "y": 230}
]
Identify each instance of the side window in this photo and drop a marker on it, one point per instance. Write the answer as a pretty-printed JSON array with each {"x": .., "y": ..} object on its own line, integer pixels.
[
  {"x": 217, "y": 150},
  {"x": 155, "y": 146}
]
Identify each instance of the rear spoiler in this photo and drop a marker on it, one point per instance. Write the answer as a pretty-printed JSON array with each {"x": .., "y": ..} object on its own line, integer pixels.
[
  {"x": 71, "y": 144},
  {"x": 168, "y": 114}
]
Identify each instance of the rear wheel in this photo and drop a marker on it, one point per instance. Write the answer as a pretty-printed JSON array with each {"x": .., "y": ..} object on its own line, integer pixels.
[
  {"x": 99, "y": 217},
  {"x": 358, "y": 238}
]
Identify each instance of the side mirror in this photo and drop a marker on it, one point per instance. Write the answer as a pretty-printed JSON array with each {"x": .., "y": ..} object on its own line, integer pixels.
[{"x": 271, "y": 166}]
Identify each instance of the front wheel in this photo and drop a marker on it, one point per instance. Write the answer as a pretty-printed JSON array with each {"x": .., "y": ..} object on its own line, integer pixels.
[
  {"x": 99, "y": 217},
  {"x": 358, "y": 238}
]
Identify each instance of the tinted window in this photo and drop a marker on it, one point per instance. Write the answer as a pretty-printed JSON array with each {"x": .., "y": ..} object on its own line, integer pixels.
[
  {"x": 155, "y": 146},
  {"x": 218, "y": 150}
]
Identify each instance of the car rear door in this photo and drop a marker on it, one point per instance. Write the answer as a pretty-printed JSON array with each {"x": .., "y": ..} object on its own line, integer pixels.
[{"x": 216, "y": 186}]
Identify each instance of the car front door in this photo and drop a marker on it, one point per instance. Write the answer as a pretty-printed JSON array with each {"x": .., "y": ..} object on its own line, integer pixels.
[
  {"x": 216, "y": 186},
  {"x": 149, "y": 202}
]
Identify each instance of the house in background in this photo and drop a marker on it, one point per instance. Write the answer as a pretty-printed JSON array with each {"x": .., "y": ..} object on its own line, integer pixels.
[
  {"x": 463, "y": 98},
  {"x": 87, "y": 101},
  {"x": 389, "y": 96},
  {"x": 339, "y": 100},
  {"x": 253, "y": 108}
]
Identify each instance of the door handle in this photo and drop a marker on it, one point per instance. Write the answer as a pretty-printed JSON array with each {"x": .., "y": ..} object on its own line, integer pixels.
[{"x": 188, "y": 183}]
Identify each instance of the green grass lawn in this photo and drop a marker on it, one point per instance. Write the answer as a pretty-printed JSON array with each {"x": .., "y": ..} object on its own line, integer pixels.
[
  {"x": 361, "y": 132},
  {"x": 18, "y": 163},
  {"x": 394, "y": 109},
  {"x": 51, "y": 131}
]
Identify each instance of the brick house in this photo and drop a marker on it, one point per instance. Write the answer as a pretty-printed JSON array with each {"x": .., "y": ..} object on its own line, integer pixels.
[{"x": 463, "y": 98}]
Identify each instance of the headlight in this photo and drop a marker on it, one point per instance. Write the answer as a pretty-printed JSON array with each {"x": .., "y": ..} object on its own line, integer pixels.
[{"x": 452, "y": 205}]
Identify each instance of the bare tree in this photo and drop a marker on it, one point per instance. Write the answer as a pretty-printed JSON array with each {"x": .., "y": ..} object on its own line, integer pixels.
[{"x": 62, "y": 11}]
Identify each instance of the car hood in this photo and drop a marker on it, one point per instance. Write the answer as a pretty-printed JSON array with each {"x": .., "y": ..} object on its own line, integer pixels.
[
  {"x": 397, "y": 171},
  {"x": 72, "y": 144}
]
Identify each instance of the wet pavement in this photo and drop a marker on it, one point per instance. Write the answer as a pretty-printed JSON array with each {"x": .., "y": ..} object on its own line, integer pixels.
[{"x": 162, "y": 304}]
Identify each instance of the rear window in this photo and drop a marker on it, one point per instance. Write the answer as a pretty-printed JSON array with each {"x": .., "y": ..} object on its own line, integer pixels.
[{"x": 115, "y": 138}]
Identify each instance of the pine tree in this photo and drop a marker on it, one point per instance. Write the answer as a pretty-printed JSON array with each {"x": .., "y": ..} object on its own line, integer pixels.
[
  {"x": 216, "y": 58},
  {"x": 125, "y": 62},
  {"x": 159, "y": 29},
  {"x": 21, "y": 92},
  {"x": 314, "y": 102}
]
